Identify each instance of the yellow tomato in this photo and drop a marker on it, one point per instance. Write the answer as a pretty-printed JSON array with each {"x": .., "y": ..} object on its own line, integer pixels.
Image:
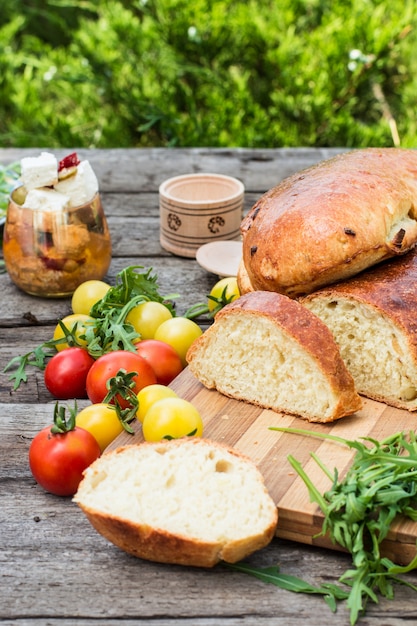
[
  {"x": 147, "y": 317},
  {"x": 172, "y": 418},
  {"x": 87, "y": 294},
  {"x": 78, "y": 320},
  {"x": 224, "y": 291},
  {"x": 101, "y": 421},
  {"x": 151, "y": 394},
  {"x": 180, "y": 333}
]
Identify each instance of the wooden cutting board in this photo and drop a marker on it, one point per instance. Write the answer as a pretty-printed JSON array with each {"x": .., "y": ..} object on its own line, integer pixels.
[{"x": 247, "y": 428}]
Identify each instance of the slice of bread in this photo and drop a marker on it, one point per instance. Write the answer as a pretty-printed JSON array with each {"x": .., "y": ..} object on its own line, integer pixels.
[
  {"x": 269, "y": 350},
  {"x": 187, "y": 501},
  {"x": 373, "y": 319}
]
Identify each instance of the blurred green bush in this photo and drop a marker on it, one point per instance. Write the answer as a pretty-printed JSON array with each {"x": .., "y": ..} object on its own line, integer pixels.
[{"x": 224, "y": 73}]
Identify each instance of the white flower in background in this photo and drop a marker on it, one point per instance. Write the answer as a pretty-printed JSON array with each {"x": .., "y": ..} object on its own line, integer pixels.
[
  {"x": 193, "y": 34},
  {"x": 355, "y": 54},
  {"x": 50, "y": 73},
  {"x": 357, "y": 57}
]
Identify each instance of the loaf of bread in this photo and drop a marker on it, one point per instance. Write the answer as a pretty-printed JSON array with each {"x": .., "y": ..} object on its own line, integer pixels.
[
  {"x": 331, "y": 221},
  {"x": 373, "y": 318},
  {"x": 269, "y": 350},
  {"x": 187, "y": 501}
]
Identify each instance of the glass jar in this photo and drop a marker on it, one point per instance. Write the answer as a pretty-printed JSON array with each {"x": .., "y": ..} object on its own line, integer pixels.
[{"x": 50, "y": 252}]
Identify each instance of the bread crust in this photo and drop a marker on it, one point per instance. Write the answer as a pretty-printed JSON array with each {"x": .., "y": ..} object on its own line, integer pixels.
[
  {"x": 331, "y": 221},
  {"x": 307, "y": 330},
  {"x": 243, "y": 280},
  {"x": 390, "y": 289},
  {"x": 159, "y": 545}
]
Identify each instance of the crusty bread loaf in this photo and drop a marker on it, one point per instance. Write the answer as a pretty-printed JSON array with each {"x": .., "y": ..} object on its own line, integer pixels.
[
  {"x": 373, "y": 318},
  {"x": 331, "y": 221},
  {"x": 187, "y": 501},
  {"x": 269, "y": 350}
]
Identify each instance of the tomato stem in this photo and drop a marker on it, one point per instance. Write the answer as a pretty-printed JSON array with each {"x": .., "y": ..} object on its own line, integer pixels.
[
  {"x": 62, "y": 424},
  {"x": 121, "y": 386}
]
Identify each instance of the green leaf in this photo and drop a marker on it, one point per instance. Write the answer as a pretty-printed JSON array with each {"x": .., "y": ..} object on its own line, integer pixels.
[
  {"x": 35, "y": 358},
  {"x": 121, "y": 386},
  {"x": 288, "y": 582},
  {"x": 109, "y": 332},
  {"x": 63, "y": 424},
  {"x": 358, "y": 510}
]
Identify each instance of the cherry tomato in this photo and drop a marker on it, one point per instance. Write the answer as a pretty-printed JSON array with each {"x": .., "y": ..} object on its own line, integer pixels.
[
  {"x": 87, "y": 294},
  {"x": 81, "y": 321},
  {"x": 107, "y": 366},
  {"x": 180, "y": 333},
  {"x": 101, "y": 421},
  {"x": 232, "y": 291},
  {"x": 151, "y": 394},
  {"x": 165, "y": 361},
  {"x": 57, "y": 461},
  {"x": 171, "y": 418},
  {"x": 147, "y": 316},
  {"x": 66, "y": 373}
]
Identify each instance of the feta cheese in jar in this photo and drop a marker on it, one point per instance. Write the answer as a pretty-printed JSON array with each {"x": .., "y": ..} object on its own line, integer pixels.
[{"x": 51, "y": 244}]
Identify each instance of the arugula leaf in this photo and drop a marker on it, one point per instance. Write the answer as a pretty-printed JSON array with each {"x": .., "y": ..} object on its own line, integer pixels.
[
  {"x": 35, "y": 358},
  {"x": 130, "y": 283},
  {"x": 380, "y": 484},
  {"x": 110, "y": 331},
  {"x": 202, "y": 308},
  {"x": 330, "y": 592}
]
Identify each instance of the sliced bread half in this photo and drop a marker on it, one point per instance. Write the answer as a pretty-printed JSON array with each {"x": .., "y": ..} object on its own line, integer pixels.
[
  {"x": 373, "y": 318},
  {"x": 187, "y": 501},
  {"x": 269, "y": 350}
]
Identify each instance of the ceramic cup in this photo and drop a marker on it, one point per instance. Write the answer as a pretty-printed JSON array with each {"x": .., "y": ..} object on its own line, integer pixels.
[{"x": 196, "y": 209}]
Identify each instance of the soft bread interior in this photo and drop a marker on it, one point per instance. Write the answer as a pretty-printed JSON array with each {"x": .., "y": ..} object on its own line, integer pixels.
[
  {"x": 251, "y": 358},
  {"x": 403, "y": 231},
  {"x": 375, "y": 351},
  {"x": 182, "y": 497}
]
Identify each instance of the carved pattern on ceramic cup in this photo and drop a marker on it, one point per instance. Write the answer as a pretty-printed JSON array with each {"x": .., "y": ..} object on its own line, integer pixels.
[
  {"x": 174, "y": 222},
  {"x": 215, "y": 223}
]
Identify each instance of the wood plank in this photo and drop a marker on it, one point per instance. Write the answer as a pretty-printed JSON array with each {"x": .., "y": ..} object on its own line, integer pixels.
[
  {"x": 183, "y": 277},
  {"x": 144, "y": 169},
  {"x": 248, "y": 429}
]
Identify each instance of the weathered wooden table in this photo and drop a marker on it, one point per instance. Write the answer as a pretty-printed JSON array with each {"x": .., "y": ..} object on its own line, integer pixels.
[{"x": 54, "y": 568}]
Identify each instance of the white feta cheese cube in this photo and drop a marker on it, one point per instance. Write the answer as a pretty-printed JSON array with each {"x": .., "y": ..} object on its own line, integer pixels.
[
  {"x": 81, "y": 187},
  {"x": 41, "y": 171},
  {"x": 46, "y": 200}
]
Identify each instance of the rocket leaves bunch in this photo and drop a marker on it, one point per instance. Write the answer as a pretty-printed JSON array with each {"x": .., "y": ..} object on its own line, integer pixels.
[{"x": 380, "y": 485}]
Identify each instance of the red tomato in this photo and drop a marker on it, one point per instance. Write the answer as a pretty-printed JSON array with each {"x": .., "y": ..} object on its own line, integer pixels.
[
  {"x": 165, "y": 361},
  {"x": 57, "y": 461},
  {"x": 109, "y": 364},
  {"x": 66, "y": 373}
]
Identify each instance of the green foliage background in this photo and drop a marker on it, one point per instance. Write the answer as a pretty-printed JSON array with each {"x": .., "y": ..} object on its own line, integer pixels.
[{"x": 255, "y": 73}]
